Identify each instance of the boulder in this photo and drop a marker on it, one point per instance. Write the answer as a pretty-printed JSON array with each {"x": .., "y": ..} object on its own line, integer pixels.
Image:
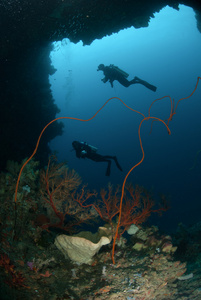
[{"x": 82, "y": 247}]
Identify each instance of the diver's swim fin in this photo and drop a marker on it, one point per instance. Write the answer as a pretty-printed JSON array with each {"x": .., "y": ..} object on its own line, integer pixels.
[
  {"x": 108, "y": 169},
  {"x": 117, "y": 164},
  {"x": 149, "y": 86},
  {"x": 146, "y": 84}
]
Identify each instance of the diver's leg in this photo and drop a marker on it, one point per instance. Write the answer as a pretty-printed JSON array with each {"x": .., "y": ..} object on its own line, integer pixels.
[
  {"x": 143, "y": 82},
  {"x": 108, "y": 168},
  {"x": 101, "y": 158},
  {"x": 116, "y": 161},
  {"x": 123, "y": 81},
  {"x": 107, "y": 159}
]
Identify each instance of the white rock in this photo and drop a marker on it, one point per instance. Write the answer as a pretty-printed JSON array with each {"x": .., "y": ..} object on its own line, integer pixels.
[
  {"x": 132, "y": 229},
  {"x": 80, "y": 249}
]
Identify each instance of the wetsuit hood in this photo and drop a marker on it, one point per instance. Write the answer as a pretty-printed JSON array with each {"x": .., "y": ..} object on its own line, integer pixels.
[
  {"x": 76, "y": 145},
  {"x": 101, "y": 67}
]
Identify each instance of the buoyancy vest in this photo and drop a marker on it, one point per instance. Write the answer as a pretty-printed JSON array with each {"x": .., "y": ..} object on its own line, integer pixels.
[
  {"x": 119, "y": 70},
  {"x": 85, "y": 146}
]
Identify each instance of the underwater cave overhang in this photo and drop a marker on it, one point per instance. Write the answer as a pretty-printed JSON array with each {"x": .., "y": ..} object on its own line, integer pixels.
[
  {"x": 27, "y": 29},
  {"x": 47, "y": 21}
]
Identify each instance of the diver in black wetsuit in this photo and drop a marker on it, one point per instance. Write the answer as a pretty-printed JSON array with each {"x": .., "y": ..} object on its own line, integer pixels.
[
  {"x": 114, "y": 73},
  {"x": 83, "y": 150}
]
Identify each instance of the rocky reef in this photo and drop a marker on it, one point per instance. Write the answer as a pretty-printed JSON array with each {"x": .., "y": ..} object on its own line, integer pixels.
[{"x": 41, "y": 255}]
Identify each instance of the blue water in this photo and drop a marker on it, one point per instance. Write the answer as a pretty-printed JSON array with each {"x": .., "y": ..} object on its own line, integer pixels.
[{"x": 167, "y": 55}]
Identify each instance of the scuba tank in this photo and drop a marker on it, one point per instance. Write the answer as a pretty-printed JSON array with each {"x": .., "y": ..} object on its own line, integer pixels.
[
  {"x": 119, "y": 70},
  {"x": 92, "y": 148}
]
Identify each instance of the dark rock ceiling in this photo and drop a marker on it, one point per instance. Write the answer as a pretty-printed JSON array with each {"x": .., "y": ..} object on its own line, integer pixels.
[
  {"x": 31, "y": 23},
  {"x": 27, "y": 28}
]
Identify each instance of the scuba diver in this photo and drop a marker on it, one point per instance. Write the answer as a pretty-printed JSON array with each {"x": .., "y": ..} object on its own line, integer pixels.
[
  {"x": 83, "y": 150},
  {"x": 114, "y": 73}
]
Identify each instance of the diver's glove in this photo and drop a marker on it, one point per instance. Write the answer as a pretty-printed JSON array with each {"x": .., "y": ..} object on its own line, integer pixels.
[
  {"x": 83, "y": 153},
  {"x": 104, "y": 80}
]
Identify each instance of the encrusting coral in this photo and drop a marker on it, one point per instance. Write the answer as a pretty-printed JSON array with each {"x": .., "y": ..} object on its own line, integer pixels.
[
  {"x": 27, "y": 196},
  {"x": 14, "y": 278}
]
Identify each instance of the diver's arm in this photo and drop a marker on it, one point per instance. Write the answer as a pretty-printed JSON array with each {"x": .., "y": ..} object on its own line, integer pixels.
[
  {"x": 105, "y": 72},
  {"x": 104, "y": 80},
  {"x": 111, "y": 82},
  {"x": 83, "y": 154},
  {"x": 84, "y": 150},
  {"x": 77, "y": 154},
  {"x": 110, "y": 74}
]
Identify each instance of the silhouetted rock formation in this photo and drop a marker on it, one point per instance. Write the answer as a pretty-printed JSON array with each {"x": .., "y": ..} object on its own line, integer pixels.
[{"x": 27, "y": 29}]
